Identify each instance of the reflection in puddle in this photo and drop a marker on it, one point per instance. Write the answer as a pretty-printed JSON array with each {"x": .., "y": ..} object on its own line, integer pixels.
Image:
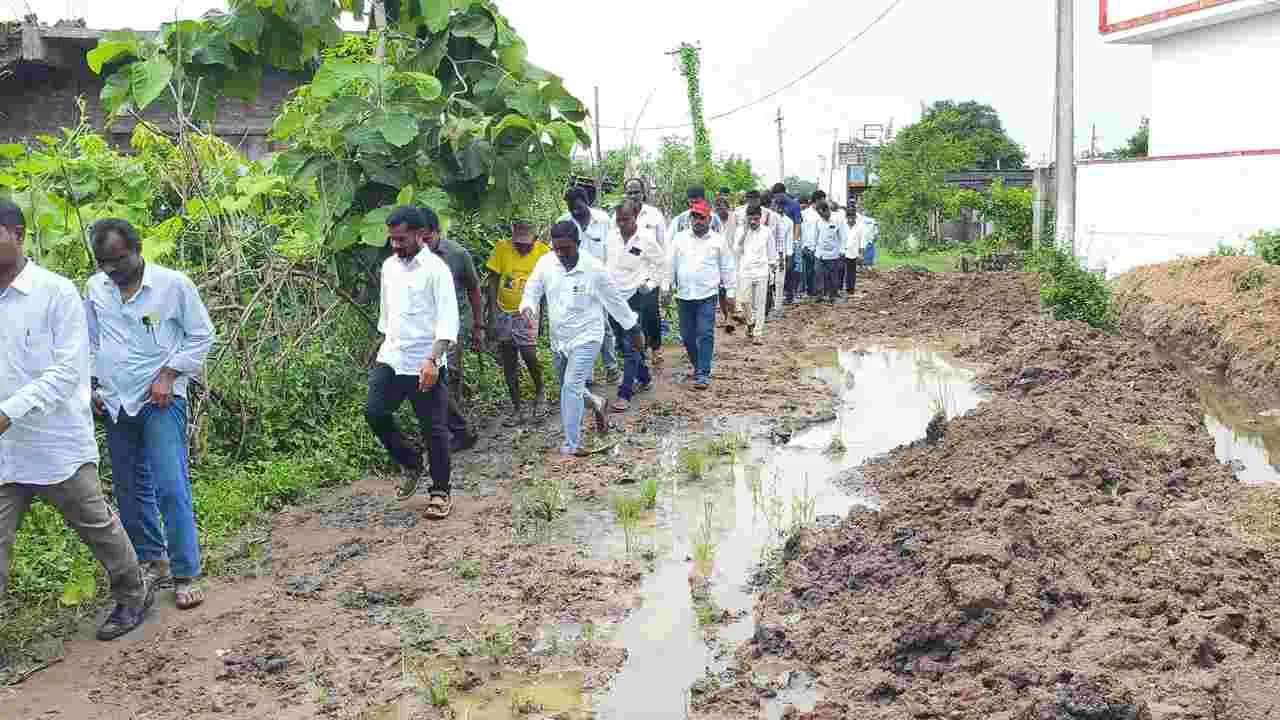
[
  {"x": 1250, "y": 441},
  {"x": 745, "y": 506},
  {"x": 490, "y": 694}
]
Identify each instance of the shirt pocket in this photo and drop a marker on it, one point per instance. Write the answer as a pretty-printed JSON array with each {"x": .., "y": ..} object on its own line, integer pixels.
[{"x": 37, "y": 351}]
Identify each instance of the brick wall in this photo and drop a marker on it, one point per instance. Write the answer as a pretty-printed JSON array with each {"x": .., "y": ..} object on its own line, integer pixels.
[{"x": 36, "y": 98}]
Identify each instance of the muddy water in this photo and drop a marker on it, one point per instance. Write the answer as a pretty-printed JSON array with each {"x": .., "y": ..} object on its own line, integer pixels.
[
  {"x": 1248, "y": 440},
  {"x": 742, "y": 510}
]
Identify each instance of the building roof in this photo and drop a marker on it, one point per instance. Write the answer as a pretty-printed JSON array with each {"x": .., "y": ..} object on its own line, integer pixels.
[{"x": 1141, "y": 22}]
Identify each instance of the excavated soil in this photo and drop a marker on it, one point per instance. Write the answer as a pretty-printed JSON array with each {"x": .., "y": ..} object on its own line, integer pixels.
[
  {"x": 1220, "y": 313},
  {"x": 1068, "y": 551}
]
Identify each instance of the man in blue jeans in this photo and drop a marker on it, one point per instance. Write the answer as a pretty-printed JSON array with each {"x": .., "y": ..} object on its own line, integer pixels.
[
  {"x": 579, "y": 294},
  {"x": 149, "y": 334},
  {"x": 701, "y": 263}
]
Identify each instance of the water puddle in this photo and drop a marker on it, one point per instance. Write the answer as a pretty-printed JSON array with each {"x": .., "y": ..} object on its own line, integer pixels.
[
  {"x": 480, "y": 691},
  {"x": 707, "y": 537},
  {"x": 1248, "y": 440}
]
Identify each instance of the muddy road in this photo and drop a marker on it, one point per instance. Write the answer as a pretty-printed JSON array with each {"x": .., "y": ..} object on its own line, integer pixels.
[{"x": 1069, "y": 538}]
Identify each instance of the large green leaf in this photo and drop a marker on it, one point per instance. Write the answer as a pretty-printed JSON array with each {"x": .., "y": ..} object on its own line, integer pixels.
[
  {"x": 473, "y": 159},
  {"x": 399, "y": 129},
  {"x": 148, "y": 79},
  {"x": 290, "y": 162},
  {"x": 344, "y": 110},
  {"x": 244, "y": 27},
  {"x": 434, "y": 198},
  {"x": 512, "y": 130},
  {"x": 436, "y": 14},
  {"x": 565, "y": 103},
  {"x": 527, "y": 101},
  {"x": 288, "y": 123},
  {"x": 347, "y": 234},
  {"x": 110, "y": 50},
  {"x": 12, "y": 151},
  {"x": 562, "y": 136},
  {"x": 426, "y": 84},
  {"x": 513, "y": 56},
  {"x": 476, "y": 25},
  {"x": 212, "y": 48},
  {"x": 334, "y": 75},
  {"x": 337, "y": 188},
  {"x": 373, "y": 230}
]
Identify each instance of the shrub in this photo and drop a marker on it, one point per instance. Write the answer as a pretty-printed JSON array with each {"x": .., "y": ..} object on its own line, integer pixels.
[
  {"x": 1072, "y": 292},
  {"x": 1268, "y": 244}
]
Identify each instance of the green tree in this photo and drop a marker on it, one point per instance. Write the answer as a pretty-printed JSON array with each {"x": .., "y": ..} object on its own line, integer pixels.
[
  {"x": 1137, "y": 145},
  {"x": 736, "y": 173},
  {"x": 909, "y": 196},
  {"x": 980, "y": 125},
  {"x": 675, "y": 171},
  {"x": 797, "y": 186}
]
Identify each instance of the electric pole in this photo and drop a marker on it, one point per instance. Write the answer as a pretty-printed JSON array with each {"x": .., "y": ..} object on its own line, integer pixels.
[
  {"x": 599, "y": 151},
  {"x": 782, "y": 166},
  {"x": 1065, "y": 161},
  {"x": 831, "y": 175}
]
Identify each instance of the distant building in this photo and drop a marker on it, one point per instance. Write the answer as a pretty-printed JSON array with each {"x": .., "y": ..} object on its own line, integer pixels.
[
  {"x": 43, "y": 70},
  {"x": 1214, "y": 158}
]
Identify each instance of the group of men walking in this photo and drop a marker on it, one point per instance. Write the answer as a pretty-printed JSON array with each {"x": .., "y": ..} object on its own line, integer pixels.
[
  {"x": 129, "y": 349},
  {"x": 126, "y": 352}
]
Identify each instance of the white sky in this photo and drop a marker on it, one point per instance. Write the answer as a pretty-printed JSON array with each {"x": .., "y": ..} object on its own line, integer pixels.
[{"x": 999, "y": 52}]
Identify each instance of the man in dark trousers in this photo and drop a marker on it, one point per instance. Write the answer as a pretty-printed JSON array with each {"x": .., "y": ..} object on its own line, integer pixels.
[{"x": 418, "y": 317}]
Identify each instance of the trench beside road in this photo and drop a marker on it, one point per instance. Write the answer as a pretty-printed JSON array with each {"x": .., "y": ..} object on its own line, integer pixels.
[{"x": 1068, "y": 537}]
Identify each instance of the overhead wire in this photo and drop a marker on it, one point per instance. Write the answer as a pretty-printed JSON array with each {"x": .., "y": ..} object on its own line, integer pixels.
[{"x": 878, "y": 19}]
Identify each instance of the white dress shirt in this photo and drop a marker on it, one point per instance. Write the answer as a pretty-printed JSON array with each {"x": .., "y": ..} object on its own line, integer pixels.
[
  {"x": 44, "y": 380},
  {"x": 637, "y": 263},
  {"x": 701, "y": 265},
  {"x": 577, "y": 300},
  {"x": 809, "y": 229},
  {"x": 833, "y": 237},
  {"x": 594, "y": 238},
  {"x": 164, "y": 324},
  {"x": 651, "y": 218},
  {"x": 755, "y": 252},
  {"x": 785, "y": 237},
  {"x": 418, "y": 308},
  {"x": 857, "y": 239}
]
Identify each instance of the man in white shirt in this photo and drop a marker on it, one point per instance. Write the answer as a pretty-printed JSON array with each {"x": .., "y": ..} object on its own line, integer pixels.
[
  {"x": 418, "y": 317},
  {"x": 785, "y": 239},
  {"x": 651, "y": 220},
  {"x": 853, "y": 253},
  {"x": 47, "y": 447},
  {"x": 701, "y": 263},
  {"x": 807, "y": 262},
  {"x": 579, "y": 294},
  {"x": 593, "y": 231},
  {"x": 684, "y": 221},
  {"x": 832, "y": 238},
  {"x": 637, "y": 267},
  {"x": 754, "y": 248},
  {"x": 149, "y": 334},
  {"x": 768, "y": 219}
]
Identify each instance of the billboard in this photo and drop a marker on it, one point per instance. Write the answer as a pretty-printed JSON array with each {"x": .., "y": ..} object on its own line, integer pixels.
[{"x": 1117, "y": 15}]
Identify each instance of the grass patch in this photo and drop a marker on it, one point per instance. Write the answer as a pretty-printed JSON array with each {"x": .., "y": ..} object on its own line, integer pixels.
[
  {"x": 704, "y": 538},
  {"x": 418, "y": 632},
  {"x": 627, "y": 511},
  {"x": 438, "y": 691},
  {"x": 694, "y": 461},
  {"x": 466, "y": 569},
  {"x": 649, "y": 493},
  {"x": 941, "y": 261},
  {"x": 1251, "y": 279},
  {"x": 1157, "y": 440}
]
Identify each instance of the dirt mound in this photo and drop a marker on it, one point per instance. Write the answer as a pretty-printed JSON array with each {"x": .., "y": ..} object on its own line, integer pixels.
[
  {"x": 1066, "y": 552},
  {"x": 1222, "y": 313},
  {"x": 906, "y": 303}
]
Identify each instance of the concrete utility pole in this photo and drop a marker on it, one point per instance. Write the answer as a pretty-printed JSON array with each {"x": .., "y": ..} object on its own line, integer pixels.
[
  {"x": 599, "y": 151},
  {"x": 782, "y": 166},
  {"x": 835, "y": 150},
  {"x": 1065, "y": 161}
]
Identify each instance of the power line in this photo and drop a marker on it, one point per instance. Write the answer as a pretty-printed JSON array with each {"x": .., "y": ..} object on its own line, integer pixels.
[{"x": 879, "y": 18}]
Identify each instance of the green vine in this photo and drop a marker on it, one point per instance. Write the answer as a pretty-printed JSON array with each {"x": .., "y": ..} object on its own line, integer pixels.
[{"x": 690, "y": 66}]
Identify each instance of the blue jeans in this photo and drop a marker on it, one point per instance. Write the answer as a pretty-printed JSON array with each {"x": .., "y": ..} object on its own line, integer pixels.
[
  {"x": 698, "y": 330},
  {"x": 634, "y": 367},
  {"x": 152, "y": 482},
  {"x": 573, "y": 368}
]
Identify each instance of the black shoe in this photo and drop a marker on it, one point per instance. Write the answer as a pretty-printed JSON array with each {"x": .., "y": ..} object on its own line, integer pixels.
[
  {"x": 408, "y": 484},
  {"x": 464, "y": 441},
  {"x": 124, "y": 619}
]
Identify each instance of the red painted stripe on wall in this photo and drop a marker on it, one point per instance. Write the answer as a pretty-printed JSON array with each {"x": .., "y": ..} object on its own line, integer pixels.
[
  {"x": 1105, "y": 25},
  {"x": 1188, "y": 156}
]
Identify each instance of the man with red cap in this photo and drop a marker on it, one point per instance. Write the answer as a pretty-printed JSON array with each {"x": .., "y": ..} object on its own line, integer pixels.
[{"x": 701, "y": 264}]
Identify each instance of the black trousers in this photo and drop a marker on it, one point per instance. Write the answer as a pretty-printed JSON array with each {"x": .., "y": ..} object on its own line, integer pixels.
[
  {"x": 850, "y": 275},
  {"x": 830, "y": 277},
  {"x": 810, "y": 279},
  {"x": 650, "y": 322},
  {"x": 387, "y": 391}
]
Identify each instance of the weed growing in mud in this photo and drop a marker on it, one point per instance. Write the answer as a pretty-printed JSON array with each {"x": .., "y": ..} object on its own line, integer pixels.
[
  {"x": 497, "y": 642},
  {"x": 353, "y": 600},
  {"x": 1252, "y": 279},
  {"x": 627, "y": 511},
  {"x": 524, "y": 703},
  {"x": 1157, "y": 440},
  {"x": 418, "y": 632},
  {"x": 837, "y": 446},
  {"x": 546, "y": 499},
  {"x": 694, "y": 462},
  {"x": 728, "y": 445},
  {"x": 755, "y": 480},
  {"x": 704, "y": 538},
  {"x": 649, "y": 493},
  {"x": 707, "y": 612},
  {"x": 803, "y": 509},
  {"x": 1072, "y": 292},
  {"x": 438, "y": 691},
  {"x": 466, "y": 569}
]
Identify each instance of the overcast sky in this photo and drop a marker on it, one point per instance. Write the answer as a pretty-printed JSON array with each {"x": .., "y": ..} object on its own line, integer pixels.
[{"x": 999, "y": 52}]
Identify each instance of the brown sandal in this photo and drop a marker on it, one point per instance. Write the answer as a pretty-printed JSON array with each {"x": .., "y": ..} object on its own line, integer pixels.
[
  {"x": 188, "y": 594},
  {"x": 439, "y": 507}
]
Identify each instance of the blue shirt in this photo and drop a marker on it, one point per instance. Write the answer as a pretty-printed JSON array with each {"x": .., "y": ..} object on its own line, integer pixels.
[
  {"x": 164, "y": 324},
  {"x": 792, "y": 209}
]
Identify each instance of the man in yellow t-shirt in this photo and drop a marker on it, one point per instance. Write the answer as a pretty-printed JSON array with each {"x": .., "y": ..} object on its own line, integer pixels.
[{"x": 510, "y": 265}]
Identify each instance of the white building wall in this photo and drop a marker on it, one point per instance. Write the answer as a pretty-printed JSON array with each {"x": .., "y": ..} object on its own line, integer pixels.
[
  {"x": 1214, "y": 88},
  {"x": 1152, "y": 211}
]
